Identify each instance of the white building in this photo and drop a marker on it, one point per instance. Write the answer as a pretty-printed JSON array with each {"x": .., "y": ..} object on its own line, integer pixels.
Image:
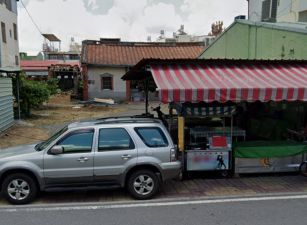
[
  {"x": 277, "y": 10},
  {"x": 182, "y": 36},
  {"x": 292, "y": 11},
  {"x": 9, "y": 48}
]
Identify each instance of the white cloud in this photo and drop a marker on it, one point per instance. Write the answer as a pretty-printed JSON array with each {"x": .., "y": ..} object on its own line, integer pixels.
[
  {"x": 202, "y": 13},
  {"x": 161, "y": 16},
  {"x": 130, "y": 20},
  {"x": 65, "y": 19},
  {"x": 92, "y": 4}
]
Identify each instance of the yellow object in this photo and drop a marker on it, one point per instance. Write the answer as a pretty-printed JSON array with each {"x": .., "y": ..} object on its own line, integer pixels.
[
  {"x": 181, "y": 133},
  {"x": 265, "y": 162}
]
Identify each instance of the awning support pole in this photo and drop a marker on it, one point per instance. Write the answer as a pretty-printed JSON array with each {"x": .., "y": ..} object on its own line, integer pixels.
[
  {"x": 146, "y": 95},
  {"x": 18, "y": 100}
]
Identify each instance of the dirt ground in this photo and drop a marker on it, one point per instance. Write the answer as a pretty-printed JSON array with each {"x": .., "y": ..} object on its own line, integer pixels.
[
  {"x": 58, "y": 110},
  {"x": 22, "y": 134}
]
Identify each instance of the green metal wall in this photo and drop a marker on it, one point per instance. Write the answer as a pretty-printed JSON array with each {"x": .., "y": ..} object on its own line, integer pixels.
[
  {"x": 244, "y": 41},
  {"x": 6, "y": 104}
]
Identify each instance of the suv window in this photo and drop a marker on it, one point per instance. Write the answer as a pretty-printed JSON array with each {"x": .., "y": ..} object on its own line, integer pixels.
[
  {"x": 152, "y": 136},
  {"x": 114, "y": 139},
  {"x": 77, "y": 141}
]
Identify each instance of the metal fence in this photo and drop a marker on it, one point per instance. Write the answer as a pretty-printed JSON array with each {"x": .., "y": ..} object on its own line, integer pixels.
[{"x": 6, "y": 104}]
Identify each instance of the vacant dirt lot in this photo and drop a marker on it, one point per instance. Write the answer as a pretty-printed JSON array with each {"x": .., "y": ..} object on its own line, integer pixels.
[
  {"x": 60, "y": 109},
  {"x": 22, "y": 134}
]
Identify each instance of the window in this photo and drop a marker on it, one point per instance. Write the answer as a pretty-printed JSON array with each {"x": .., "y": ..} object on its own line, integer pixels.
[
  {"x": 44, "y": 144},
  {"x": 107, "y": 82},
  {"x": 3, "y": 32},
  {"x": 8, "y": 4},
  {"x": 302, "y": 16},
  {"x": 16, "y": 60},
  {"x": 77, "y": 141},
  {"x": 15, "y": 31},
  {"x": 152, "y": 136},
  {"x": 114, "y": 139},
  {"x": 91, "y": 82}
]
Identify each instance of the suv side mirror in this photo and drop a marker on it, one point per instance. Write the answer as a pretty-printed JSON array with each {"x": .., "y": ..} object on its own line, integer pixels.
[{"x": 56, "y": 150}]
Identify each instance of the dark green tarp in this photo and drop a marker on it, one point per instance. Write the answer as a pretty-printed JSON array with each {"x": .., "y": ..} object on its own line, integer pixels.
[{"x": 268, "y": 149}]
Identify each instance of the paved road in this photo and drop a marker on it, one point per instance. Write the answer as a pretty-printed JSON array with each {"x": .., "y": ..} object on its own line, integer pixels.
[{"x": 281, "y": 210}]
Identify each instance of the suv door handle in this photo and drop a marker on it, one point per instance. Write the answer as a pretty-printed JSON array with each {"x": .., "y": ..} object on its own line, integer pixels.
[
  {"x": 83, "y": 159},
  {"x": 126, "y": 156}
]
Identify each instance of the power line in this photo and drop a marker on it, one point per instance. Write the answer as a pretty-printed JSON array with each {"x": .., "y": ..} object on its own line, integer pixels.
[{"x": 31, "y": 17}]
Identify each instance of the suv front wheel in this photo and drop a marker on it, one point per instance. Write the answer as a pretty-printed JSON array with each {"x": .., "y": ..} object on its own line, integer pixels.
[
  {"x": 143, "y": 184},
  {"x": 19, "y": 188}
]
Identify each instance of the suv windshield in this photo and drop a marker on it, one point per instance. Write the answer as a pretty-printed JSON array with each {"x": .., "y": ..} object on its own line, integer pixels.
[{"x": 44, "y": 144}]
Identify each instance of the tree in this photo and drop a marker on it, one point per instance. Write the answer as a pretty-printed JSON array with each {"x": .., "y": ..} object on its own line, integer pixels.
[
  {"x": 52, "y": 85},
  {"x": 216, "y": 28},
  {"x": 32, "y": 94}
]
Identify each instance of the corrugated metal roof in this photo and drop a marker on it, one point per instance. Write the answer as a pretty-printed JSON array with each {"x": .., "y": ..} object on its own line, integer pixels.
[
  {"x": 10, "y": 69},
  {"x": 130, "y": 53},
  {"x": 6, "y": 104},
  {"x": 51, "y": 37},
  {"x": 41, "y": 65},
  {"x": 299, "y": 27}
]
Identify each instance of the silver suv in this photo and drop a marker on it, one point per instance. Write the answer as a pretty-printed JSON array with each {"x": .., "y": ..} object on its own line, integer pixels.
[{"x": 136, "y": 153}]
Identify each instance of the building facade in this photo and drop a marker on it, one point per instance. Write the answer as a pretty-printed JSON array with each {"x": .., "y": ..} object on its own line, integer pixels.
[
  {"x": 259, "y": 40},
  {"x": 9, "y": 48},
  {"x": 9, "y": 60},
  {"x": 277, "y": 10},
  {"x": 292, "y": 11},
  {"x": 182, "y": 36},
  {"x": 104, "y": 62},
  {"x": 67, "y": 72}
]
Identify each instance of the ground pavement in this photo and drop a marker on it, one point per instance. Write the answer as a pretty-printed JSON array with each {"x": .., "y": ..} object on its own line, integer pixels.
[{"x": 198, "y": 187}]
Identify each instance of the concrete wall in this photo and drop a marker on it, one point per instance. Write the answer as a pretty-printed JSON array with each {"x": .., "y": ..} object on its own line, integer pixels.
[
  {"x": 10, "y": 49},
  {"x": 291, "y": 11},
  {"x": 243, "y": 41},
  {"x": 303, "y": 5},
  {"x": 254, "y": 10},
  {"x": 6, "y": 104},
  {"x": 94, "y": 83},
  {"x": 287, "y": 11}
]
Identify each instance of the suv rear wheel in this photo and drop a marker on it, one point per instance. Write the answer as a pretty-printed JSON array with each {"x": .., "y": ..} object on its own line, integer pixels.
[
  {"x": 19, "y": 188},
  {"x": 143, "y": 184}
]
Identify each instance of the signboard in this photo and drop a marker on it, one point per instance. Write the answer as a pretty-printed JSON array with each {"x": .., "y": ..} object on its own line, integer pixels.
[{"x": 207, "y": 160}]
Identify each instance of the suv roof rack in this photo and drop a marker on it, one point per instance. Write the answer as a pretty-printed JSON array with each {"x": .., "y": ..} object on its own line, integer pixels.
[
  {"x": 149, "y": 116},
  {"x": 127, "y": 119}
]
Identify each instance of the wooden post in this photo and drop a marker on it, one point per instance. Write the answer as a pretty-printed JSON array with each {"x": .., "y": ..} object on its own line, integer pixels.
[
  {"x": 18, "y": 93},
  {"x": 85, "y": 82},
  {"x": 181, "y": 133},
  {"x": 146, "y": 95}
]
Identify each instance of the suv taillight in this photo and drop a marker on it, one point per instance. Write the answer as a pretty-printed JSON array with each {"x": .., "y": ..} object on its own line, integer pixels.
[{"x": 173, "y": 155}]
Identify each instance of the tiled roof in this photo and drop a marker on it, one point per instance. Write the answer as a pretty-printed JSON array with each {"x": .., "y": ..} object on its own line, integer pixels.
[
  {"x": 42, "y": 65},
  {"x": 130, "y": 53}
]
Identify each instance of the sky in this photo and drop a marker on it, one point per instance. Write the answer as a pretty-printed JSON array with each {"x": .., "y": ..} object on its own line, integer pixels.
[{"x": 130, "y": 20}]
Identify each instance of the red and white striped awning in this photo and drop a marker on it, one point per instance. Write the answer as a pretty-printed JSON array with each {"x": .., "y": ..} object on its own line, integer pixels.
[{"x": 236, "y": 82}]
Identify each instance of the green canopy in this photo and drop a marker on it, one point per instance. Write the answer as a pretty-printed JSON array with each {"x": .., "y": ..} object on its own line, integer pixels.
[{"x": 268, "y": 149}]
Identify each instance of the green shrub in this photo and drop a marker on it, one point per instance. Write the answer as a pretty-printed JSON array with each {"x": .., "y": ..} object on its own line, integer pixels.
[
  {"x": 52, "y": 85},
  {"x": 32, "y": 94}
]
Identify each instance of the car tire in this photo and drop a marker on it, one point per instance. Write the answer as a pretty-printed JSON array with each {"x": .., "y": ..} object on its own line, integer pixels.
[
  {"x": 19, "y": 188},
  {"x": 143, "y": 184}
]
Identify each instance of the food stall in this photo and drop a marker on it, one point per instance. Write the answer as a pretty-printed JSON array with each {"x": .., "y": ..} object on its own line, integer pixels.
[
  {"x": 252, "y": 137},
  {"x": 207, "y": 137}
]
